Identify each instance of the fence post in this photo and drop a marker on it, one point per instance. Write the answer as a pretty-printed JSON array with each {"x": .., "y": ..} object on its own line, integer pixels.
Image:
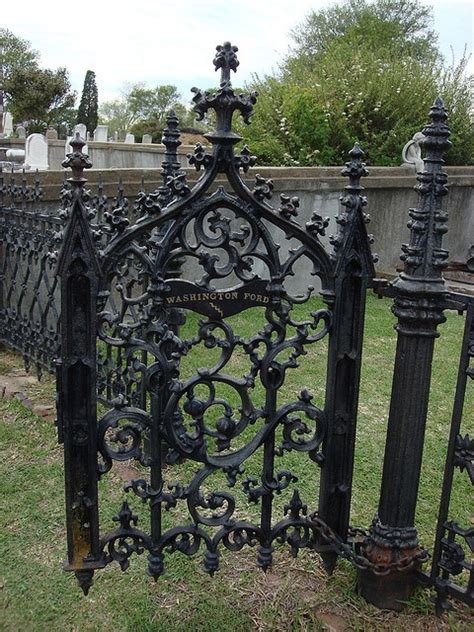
[
  {"x": 354, "y": 272},
  {"x": 78, "y": 270},
  {"x": 419, "y": 299}
]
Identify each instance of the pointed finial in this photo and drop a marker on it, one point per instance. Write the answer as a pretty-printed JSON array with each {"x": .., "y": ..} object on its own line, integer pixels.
[
  {"x": 436, "y": 132},
  {"x": 226, "y": 60},
  {"x": 355, "y": 168},
  {"x": 170, "y": 140},
  {"x": 77, "y": 161},
  {"x": 356, "y": 152}
]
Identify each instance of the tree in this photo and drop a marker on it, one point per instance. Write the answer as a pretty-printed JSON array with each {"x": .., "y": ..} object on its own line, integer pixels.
[
  {"x": 15, "y": 54},
  {"x": 404, "y": 26},
  {"x": 38, "y": 96},
  {"x": 42, "y": 97},
  {"x": 365, "y": 72},
  {"x": 141, "y": 109},
  {"x": 88, "y": 112}
]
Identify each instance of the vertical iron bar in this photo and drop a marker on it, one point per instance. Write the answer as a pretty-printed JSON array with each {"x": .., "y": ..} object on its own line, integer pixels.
[
  {"x": 458, "y": 406},
  {"x": 155, "y": 558},
  {"x": 265, "y": 550}
]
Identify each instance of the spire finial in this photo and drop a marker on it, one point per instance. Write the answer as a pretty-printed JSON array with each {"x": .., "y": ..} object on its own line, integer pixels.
[
  {"x": 170, "y": 140},
  {"x": 224, "y": 101}
]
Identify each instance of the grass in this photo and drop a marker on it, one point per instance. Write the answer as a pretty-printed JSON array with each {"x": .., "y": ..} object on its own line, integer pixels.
[{"x": 295, "y": 595}]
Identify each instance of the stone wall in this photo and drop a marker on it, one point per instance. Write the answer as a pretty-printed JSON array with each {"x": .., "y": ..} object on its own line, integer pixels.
[
  {"x": 108, "y": 155},
  {"x": 389, "y": 191}
]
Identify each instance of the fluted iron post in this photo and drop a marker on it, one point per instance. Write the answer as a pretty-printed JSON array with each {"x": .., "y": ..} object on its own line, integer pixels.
[
  {"x": 78, "y": 270},
  {"x": 419, "y": 300}
]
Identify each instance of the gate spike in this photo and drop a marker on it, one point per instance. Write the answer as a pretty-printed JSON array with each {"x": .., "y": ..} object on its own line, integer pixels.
[{"x": 85, "y": 580}]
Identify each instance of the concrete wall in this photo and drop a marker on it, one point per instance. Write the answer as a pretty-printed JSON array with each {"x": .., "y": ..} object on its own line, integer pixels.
[
  {"x": 389, "y": 191},
  {"x": 109, "y": 155}
]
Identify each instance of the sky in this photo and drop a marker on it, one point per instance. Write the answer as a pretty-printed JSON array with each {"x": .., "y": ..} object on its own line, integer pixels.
[{"x": 173, "y": 41}]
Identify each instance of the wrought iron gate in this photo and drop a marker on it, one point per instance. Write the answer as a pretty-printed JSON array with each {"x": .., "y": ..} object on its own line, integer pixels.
[
  {"x": 157, "y": 306},
  {"x": 212, "y": 250}
]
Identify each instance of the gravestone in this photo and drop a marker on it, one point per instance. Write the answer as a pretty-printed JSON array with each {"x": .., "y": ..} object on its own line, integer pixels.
[
  {"x": 51, "y": 134},
  {"x": 36, "y": 152},
  {"x": 21, "y": 131},
  {"x": 82, "y": 129},
  {"x": 116, "y": 137},
  {"x": 129, "y": 138},
  {"x": 7, "y": 124},
  {"x": 147, "y": 139},
  {"x": 101, "y": 134}
]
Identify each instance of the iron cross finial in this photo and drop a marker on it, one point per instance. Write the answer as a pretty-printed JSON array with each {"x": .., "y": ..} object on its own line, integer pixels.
[{"x": 226, "y": 60}]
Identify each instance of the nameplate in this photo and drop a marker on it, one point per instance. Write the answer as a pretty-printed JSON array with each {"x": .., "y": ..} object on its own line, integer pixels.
[{"x": 217, "y": 303}]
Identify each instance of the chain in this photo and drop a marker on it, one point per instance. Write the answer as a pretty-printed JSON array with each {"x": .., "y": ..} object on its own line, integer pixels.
[{"x": 348, "y": 551}]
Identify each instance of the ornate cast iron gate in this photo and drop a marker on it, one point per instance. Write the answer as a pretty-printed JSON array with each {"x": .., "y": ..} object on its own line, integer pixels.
[
  {"x": 157, "y": 307},
  {"x": 223, "y": 238}
]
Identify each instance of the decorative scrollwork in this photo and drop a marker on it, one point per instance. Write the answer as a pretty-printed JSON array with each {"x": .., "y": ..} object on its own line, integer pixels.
[
  {"x": 289, "y": 206},
  {"x": 200, "y": 158},
  {"x": 263, "y": 188},
  {"x": 121, "y": 442}
]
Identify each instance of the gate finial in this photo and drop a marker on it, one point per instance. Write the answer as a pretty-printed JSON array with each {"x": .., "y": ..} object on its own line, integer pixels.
[
  {"x": 423, "y": 256},
  {"x": 224, "y": 102},
  {"x": 77, "y": 161}
]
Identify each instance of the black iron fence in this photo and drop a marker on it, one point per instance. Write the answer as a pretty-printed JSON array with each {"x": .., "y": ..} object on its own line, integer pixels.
[
  {"x": 118, "y": 279},
  {"x": 31, "y": 235}
]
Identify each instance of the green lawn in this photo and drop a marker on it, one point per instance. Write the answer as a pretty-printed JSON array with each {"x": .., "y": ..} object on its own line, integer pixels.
[{"x": 295, "y": 595}]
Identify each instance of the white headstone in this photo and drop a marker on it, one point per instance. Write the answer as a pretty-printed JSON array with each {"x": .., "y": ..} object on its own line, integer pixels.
[
  {"x": 36, "y": 152},
  {"x": 7, "y": 124},
  {"x": 129, "y": 138},
  {"x": 147, "y": 139},
  {"x": 116, "y": 137},
  {"x": 21, "y": 131},
  {"x": 101, "y": 134},
  {"x": 82, "y": 129},
  {"x": 68, "y": 149}
]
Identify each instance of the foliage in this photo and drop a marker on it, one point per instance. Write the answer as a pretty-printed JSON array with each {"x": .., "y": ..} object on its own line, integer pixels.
[
  {"x": 403, "y": 25},
  {"x": 88, "y": 112},
  {"x": 115, "y": 114},
  {"x": 360, "y": 71},
  {"x": 295, "y": 128},
  {"x": 15, "y": 54},
  {"x": 155, "y": 125},
  {"x": 40, "y": 97},
  {"x": 143, "y": 110}
]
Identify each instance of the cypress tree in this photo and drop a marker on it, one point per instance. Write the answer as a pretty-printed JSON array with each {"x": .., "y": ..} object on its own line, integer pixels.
[{"x": 89, "y": 105}]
